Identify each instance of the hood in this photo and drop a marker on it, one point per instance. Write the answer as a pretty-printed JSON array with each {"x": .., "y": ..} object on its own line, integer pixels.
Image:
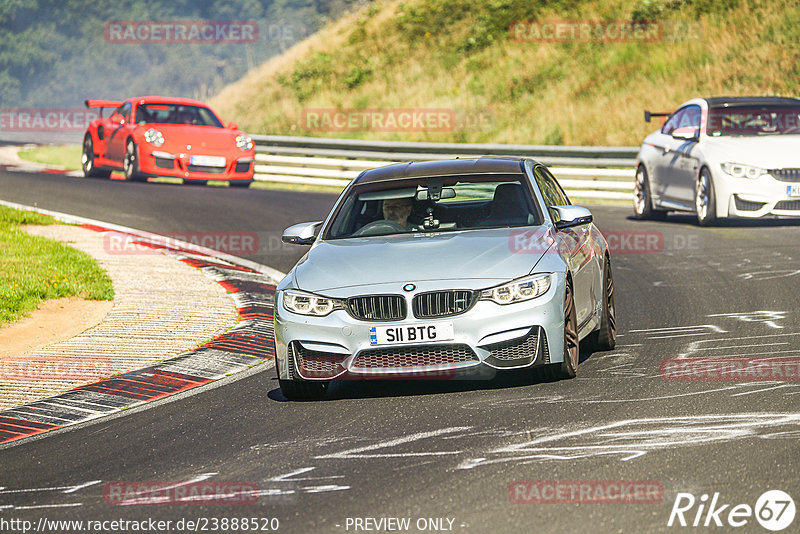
[
  {"x": 486, "y": 255},
  {"x": 767, "y": 152},
  {"x": 177, "y": 136}
]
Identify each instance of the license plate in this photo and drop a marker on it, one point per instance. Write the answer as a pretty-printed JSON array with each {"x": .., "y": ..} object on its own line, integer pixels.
[
  {"x": 207, "y": 161},
  {"x": 417, "y": 333}
]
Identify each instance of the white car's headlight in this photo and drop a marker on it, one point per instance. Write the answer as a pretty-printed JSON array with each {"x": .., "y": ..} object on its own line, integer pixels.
[
  {"x": 244, "y": 142},
  {"x": 737, "y": 170},
  {"x": 154, "y": 137},
  {"x": 309, "y": 303},
  {"x": 519, "y": 290}
]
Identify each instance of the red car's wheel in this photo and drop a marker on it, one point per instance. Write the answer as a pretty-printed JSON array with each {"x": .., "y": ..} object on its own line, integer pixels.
[{"x": 130, "y": 163}]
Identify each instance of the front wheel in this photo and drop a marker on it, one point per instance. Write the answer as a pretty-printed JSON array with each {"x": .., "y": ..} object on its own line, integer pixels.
[
  {"x": 295, "y": 390},
  {"x": 240, "y": 183},
  {"x": 87, "y": 160},
  {"x": 131, "y": 162},
  {"x": 704, "y": 199},
  {"x": 569, "y": 367}
]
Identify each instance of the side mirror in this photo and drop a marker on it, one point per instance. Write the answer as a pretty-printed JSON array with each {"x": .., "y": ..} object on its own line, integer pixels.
[
  {"x": 572, "y": 216},
  {"x": 686, "y": 133},
  {"x": 117, "y": 119},
  {"x": 233, "y": 126},
  {"x": 301, "y": 234}
]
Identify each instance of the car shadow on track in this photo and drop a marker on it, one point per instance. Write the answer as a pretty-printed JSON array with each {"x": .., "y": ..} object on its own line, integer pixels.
[
  {"x": 691, "y": 220},
  {"x": 379, "y": 388}
]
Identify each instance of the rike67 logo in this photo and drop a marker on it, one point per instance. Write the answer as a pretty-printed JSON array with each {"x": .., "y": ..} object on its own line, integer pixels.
[{"x": 774, "y": 510}]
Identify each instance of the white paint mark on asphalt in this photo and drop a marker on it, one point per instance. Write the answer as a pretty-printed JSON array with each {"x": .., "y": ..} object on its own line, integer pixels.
[
  {"x": 63, "y": 489},
  {"x": 358, "y": 452},
  {"x": 761, "y": 316},
  {"x": 40, "y": 506},
  {"x": 769, "y": 275},
  {"x": 634, "y": 438},
  {"x": 81, "y": 486},
  {"x": 293, "y": 474}
]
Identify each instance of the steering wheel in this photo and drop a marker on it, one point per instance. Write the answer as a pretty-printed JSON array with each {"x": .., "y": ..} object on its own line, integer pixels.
[{"x": 380, "y": 227}]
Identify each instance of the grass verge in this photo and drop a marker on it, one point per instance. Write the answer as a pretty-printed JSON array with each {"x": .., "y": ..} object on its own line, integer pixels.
[
  {"x": 66, "y": 156},
  {"x": 34, "y": 269}
]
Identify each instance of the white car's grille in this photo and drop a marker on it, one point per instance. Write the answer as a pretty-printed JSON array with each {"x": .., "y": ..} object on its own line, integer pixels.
[
  {"x": 788, "y": 205},
  {"x": 377, "y": 307},
  {"x": 786, "y": 175},
  {"x": 416, "y": 356},
  {"x": 442, "y": 303}
]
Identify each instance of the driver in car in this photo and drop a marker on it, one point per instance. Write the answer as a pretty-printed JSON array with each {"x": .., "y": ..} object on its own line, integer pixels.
[{"x": 398, "y": 210}]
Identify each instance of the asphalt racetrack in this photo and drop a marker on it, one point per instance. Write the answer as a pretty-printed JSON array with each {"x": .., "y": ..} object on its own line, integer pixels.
[{"x": 494, "y": 455}]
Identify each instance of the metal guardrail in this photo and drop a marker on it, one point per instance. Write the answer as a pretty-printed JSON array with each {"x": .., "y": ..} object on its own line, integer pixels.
[{"x": 592, "y": 172}]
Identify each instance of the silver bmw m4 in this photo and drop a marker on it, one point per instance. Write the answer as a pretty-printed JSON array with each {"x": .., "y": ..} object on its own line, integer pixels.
[{"x": 442, "y": 269}]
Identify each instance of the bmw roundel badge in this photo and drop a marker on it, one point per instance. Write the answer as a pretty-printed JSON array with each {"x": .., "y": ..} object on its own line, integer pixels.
[{"x": 409, "y": 287}]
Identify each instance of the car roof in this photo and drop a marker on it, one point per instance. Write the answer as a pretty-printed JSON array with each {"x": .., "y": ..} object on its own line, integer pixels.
[
  {"x": 167, "y": 100},
  {"x": 448, "y": 167},
  {"x": 751, "y": 100}
]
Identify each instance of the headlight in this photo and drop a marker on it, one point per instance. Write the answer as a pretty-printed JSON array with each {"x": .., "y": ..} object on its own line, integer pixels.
[
  {"x": 519, "y": 290},
  {"x": 244, "y": 142},
  {"x": 154, "y": 137},
  {"x": 309, "y": 304},
  {"x": 737, "y": 170}
]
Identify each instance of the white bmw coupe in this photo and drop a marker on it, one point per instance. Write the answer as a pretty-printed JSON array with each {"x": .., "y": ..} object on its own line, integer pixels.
[{"x": 722, "y": 157}]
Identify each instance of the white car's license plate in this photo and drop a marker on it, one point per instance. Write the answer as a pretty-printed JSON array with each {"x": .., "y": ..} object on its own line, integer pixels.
[
  {"x": 207, "y": 161},
  {"x": 408, "y": 333},
  {"x": 793, "y": 190}
]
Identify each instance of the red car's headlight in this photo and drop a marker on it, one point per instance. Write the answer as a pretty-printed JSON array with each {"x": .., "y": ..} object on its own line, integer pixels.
[
  {"x": 154, "y": 137},
  {"x": 244, "y": 142}
]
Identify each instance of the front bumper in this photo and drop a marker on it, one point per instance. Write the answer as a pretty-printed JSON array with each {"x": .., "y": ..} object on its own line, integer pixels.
[
  {"x": 762, "y": 197},
  {"x": 162, "y": 163},
  {"x": 486, "y": 337}
]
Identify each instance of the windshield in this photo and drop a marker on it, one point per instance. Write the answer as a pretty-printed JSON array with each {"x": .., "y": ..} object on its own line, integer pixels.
[
  {"x": 753, "y": 120},
  {"x": 176, "y": 114},
  {"x": 435, "y": 205}
]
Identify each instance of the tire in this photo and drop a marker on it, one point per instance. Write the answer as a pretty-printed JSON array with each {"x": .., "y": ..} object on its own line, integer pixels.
[
  {"x": 87, "y": 160},
  {"x": 605, "y": 338},
  {"x": 299, "y": 390},
  {"x": 130, "y": 163},
  {"x": 194, "y": 182},
  {"x": 240, "y": 183},
  {"x": 642, "y": 200},
  {"x": 295, "y": 390},
  {"x": 705, "y": 200},
  {"x": 569, "y": 367}
]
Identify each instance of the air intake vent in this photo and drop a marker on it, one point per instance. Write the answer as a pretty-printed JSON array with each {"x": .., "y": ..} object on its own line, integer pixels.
[
  {"x": 443, "y": 303},
  {"x": 747, "y": 205},
  {"x": 377, "y": 307}
]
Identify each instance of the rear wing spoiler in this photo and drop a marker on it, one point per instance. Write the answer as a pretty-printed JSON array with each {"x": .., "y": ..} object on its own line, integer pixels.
[
  {"x": 102, "y": 104},
  {"x": 649, "y": 114}
]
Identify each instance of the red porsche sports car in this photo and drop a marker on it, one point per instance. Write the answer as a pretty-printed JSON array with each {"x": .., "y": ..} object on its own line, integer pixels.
[{"x": 158, "y": 136}]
